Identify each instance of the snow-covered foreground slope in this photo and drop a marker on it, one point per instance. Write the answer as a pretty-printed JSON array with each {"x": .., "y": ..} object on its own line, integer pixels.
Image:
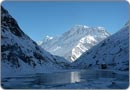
[
  {"x": 74, "y": 42},
  {"x": 20, "y": 54},
  {"x": 113, "y": 52}
]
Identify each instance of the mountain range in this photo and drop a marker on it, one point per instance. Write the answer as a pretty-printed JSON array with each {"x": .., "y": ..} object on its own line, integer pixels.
[
  {"x": 73, "y": 43},
  {"x": 86, "y": 47}
]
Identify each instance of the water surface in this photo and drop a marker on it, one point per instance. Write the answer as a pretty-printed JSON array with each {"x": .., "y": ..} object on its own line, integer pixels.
[{"x": 68, "y": 79}]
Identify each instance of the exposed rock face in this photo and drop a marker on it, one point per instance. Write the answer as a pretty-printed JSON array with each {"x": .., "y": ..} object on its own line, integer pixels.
[{"x": 20, "y": 53}]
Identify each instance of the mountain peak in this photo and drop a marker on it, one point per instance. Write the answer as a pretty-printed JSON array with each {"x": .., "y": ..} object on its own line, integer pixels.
[
  {"x": 113, "y": 51},
  {"x": 75, "y": 41},
  {"x": 100, "y": 28},
  {"x": 48, "y": 37},
  {"x": 79, "y": 26}
]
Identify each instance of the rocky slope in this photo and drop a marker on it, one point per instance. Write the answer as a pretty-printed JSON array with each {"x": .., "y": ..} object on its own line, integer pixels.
[{"x": 20, "y": 54}]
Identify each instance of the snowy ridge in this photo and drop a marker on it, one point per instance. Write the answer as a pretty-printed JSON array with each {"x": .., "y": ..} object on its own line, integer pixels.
[
  {"x": 113, "y": 52},
  {"x": 74, "y": 42},
  {"x": 46, "y": 39},
  {"x": 20, "y": 54},
  {"x": 84, "y": 44}
]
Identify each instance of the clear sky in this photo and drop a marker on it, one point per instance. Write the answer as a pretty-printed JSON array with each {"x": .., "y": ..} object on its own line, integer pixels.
[{"x": 38, "y": 19}]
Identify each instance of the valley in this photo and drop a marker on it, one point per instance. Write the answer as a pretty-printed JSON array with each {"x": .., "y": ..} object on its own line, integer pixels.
[{"x": 83, "y": 57}]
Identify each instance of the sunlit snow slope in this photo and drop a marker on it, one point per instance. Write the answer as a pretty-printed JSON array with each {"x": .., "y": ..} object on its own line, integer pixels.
[
  {"x": 74, "y": 42},
  {"x": 113, "y": 52}
]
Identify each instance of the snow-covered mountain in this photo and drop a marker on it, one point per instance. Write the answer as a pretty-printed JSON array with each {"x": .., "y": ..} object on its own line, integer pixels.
[
  {"x": 74, "y": 42},
  {"x": 20, "y": 54},
  {"x": 113, "y": 52}
]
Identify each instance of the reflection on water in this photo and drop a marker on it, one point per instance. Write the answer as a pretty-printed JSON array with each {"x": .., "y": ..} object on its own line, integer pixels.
[
  {"x": 75, "y": 77},
  {"x": 57, "y": 79}
]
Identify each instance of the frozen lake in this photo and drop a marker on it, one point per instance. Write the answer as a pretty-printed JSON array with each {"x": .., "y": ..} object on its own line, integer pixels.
[{"x": 68, "y": 79}]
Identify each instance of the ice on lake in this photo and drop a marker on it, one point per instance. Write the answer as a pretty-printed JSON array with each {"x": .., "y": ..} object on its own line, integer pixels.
[{"x": 68, "y": 79}]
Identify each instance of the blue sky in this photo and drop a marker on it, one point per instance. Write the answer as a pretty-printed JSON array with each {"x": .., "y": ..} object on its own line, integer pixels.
[{"x": 38, "y": 19}]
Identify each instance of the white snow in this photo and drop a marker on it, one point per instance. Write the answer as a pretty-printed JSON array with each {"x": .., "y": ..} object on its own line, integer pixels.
[
  {"x": 112, "y": 51},
  {"x": 23, "y": 55},
  {"x": 74, "y": 42},
  {"x": 88, "y": 39},
  {"x": 102, "y": 28},
  {"x": 48, "y": 37},
  {"x": 58, "y": 47},
  {"x": 86, "y": 26},
  {"x": 39, "y": 42}
]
